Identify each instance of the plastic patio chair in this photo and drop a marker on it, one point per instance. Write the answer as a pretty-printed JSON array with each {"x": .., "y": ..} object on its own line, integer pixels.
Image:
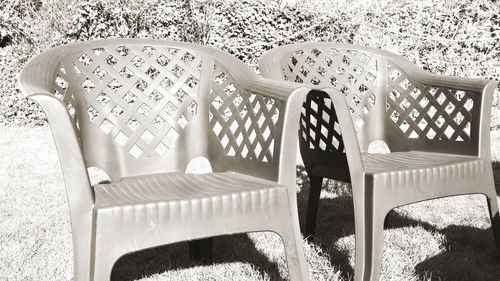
[
  {"x": 436, "y": 127},
  {"x": 140, "y": 110}
]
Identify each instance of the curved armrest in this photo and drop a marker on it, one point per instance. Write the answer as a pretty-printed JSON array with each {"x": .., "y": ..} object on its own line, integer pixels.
[
  {"x": 249, "y": 127},
  {"x": 349, "y": 136},
  {"x": 442, "y": 81},
  {"x": 484, "y": 147},
  {"x": 35, "y": 81},
  {"x": 280, "y": 90},
  {"x": 292, "y": 111},
  {"x": 288, "y": 147},
  {"x": 79, "y": 193},
  {"x": 78, "y": 188},
  {"x": 291, "y": 99},
  {"x": 477, "y": 91},
  {"x": 293, "y": 96},
  {"x": 251, "y": 81},
  {"x": 270, "y": 63}
]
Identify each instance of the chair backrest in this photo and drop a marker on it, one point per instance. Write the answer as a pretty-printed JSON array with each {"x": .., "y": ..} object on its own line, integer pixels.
[
  {"x": 150, "y": 106},
  {"x": 386, "y": 103}
]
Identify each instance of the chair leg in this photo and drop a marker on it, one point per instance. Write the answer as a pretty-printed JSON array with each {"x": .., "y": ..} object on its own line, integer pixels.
[
  {"x": 294, "y": 251},
  {"x": 312, "y": 206},
  {"x": 103, "y": 265},
  {"x": 495, "y": 217},
  {"x": 200, "y": 251},
  {"x": 83, "y": 247},
  {"x": 369, "y": 236},
  {"x": 82, "y": 262}
]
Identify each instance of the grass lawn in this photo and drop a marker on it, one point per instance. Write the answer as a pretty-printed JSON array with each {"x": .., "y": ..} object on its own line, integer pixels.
[{"x": 445, "y": 239}]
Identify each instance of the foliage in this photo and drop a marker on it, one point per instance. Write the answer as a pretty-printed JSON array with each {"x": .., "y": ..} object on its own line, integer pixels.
[
  {"x": 93, "y": 20},
  {"x": 459, "y": 38},
  {"x": 12, "y": 14}
]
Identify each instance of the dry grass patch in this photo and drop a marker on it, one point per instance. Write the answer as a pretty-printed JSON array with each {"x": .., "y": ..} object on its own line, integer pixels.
[{"x": 445, "y": 239}]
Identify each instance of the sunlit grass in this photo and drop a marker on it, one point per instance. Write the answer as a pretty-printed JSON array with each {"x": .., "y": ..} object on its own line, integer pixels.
[{"x": 446, "y": 239}]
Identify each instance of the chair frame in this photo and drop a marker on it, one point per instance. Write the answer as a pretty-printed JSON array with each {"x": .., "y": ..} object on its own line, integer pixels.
[
  {"x": 93, "y": 259},
  {"x": 372, "y": 200}
]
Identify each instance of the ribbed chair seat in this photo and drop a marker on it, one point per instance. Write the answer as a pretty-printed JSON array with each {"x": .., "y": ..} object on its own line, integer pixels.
[
  {"x": 222, "y": 193},
  {"x": 143, "y": 211},
  {"x": 424, "y": 174},
  {"x": 423, "y": 163}
]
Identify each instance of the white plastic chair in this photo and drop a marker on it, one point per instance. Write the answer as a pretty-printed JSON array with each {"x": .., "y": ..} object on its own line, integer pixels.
[
  {"x": 141, "y": 110},
  {"x": 436, "y": 127}
]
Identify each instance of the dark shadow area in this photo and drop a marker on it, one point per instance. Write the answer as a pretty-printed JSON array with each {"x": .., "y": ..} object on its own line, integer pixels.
[
  {"x": 463, "y": 244},
  {"x": 496, "y": 174},
  {"x": 459, "y": 260},
  {"x": 336, "y": 220},
  {"x": 227, "y": 249}
]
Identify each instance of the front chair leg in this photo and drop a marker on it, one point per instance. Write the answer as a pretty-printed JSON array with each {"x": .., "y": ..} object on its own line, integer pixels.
[
  {"x": 201, "y": 251},
  {"x": 495, "y": 218},
  {"x": 312, "y": 206}
]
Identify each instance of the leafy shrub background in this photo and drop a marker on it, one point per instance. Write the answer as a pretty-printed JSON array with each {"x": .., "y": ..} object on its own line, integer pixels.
[{"x": 460, "y": 38}]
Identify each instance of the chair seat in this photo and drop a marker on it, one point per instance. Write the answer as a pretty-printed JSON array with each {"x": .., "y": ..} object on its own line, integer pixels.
[
  {"x": 413, "y": 160},
  {"x": 169, "y": 187},
  {"x": 423, "y": 170}
]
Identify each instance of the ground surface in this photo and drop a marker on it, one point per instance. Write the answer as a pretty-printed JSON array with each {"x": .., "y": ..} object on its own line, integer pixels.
[{"x": 446, "y": 239}]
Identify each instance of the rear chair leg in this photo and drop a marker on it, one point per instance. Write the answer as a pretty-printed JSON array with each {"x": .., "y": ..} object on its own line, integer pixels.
[
  {"x": 201, "y": 251},
  {"x": 312, "y": 206}
]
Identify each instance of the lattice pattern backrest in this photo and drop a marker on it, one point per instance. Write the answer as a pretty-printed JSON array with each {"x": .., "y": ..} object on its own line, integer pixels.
[
  {"x": 426, "y": 112},
  {"x": 352, "y": 72},
  {"x": 243, "y": 122},
  {"x": 141, "y": 97},
  {"x": 319, "y": 127}
]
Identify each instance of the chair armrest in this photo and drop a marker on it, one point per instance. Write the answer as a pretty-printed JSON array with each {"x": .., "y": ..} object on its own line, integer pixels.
[
  {"x": 484, "y": 90},
  {"x": 294, "y": 96},
  {"x": 442, "y": 81},
  {"x": 288, "y": 148},
  {"x": 36, "y": 82},
  {"x": 484, "y": 149},
  {"x": 270, "y": 63},
  {"x": 465, "y": 100},
  {"x": 79, "y": 192},
  {"x": 247, "y": 115},
  {"x": 350, "y": 139},
  {"x": 291, "y": 96},
  {"x": 276, "y": 89},
  {"x": 251, "y": 81},
  {"x": 78, "y": 188}
]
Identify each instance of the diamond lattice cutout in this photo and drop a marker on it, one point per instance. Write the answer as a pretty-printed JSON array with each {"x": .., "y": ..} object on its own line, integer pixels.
[
  {"x": 60, "y": 90},
  {"x": 127, "y": 98},
  {"x": 426, "y": 112},
  {"x": 244, "y": 123},
  {"x": 319, "y": 127},
  {"x": 351, "y": 72}
]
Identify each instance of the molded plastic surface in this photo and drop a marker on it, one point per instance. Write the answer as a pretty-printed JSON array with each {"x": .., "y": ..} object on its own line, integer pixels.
[
  {"x": 141, "y": 110},
  {"x": 436, "y": 127}
]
